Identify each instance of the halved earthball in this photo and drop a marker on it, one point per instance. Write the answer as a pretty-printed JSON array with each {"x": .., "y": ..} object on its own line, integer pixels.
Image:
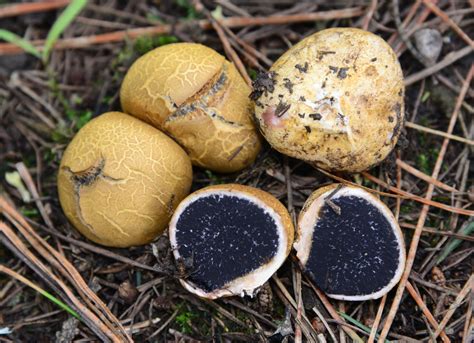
[
  {"x": 349, "y": 243},
  {"x": 229, "y": 239},
  {"x": 196, "y": 96},
  {"x": 335, "y": 100},
  {"x": 120, "y": 180}
]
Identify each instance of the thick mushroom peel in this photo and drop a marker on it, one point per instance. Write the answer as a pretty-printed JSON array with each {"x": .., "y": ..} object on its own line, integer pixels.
[
  {"x": 120, "y": 180},
  {"x": 335, "y": 100},
  {"x": 192, "y": 93},
  {"x": 349, "y": 243},
  {"x": 232, "y": 237}
]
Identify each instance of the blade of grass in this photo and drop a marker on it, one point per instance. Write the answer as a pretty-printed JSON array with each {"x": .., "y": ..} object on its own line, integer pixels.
[
  {"x": 358, "y": 324},
  {"x": 10, "y": 37},
  {"x": 63, "y": 21},
  {"x": 448, "y": 249},
  {"x": 44, "y": 293}
]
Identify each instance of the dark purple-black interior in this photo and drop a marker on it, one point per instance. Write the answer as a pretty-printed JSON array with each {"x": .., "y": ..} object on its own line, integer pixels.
[
  {"x": 222, "y": 238},
  {"x": 354, "y": 253}
]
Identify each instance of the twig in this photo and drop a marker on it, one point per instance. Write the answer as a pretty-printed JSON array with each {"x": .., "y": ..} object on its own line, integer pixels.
[
  {"x": 92, "y": 321},
  {"x": 438, "y": 232},
  {"x": 112, "y": 326},
  {"x": 425, "y": 311},
  {"x": 439, "y": 133},
  {"x": 459, "y": 299},
  {"x": 31, "y": 7},
  {"x": 424, "y": 177},
  {"x": 424, "y": 211},
  {"x": 446, "y": 61},
  {"x": 118, "y": 36},
  {"x": 325, "y": 323},
  {"x": 369, "y": 15},
  {"x": 424, "y": 201},
  {"x": 25, "y": 175},
  {"x": 378, "y": 318},
  {"x": 402, "y": 194},
  {"x": 103, "y": 252},
  {"x": 225, "y": 41},
  {"x": 333, "y": 312},
  {"x": 444, "y": 17}
]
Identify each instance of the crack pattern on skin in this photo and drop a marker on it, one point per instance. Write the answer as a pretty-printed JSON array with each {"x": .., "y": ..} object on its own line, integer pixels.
[
  {"x": 202, "y": 98},
  {"x": 86, "y": 178}
]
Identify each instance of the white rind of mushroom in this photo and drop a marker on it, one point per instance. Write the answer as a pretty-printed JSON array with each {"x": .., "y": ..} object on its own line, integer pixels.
[
  {"x": 334, "y": 100},
  {"x": 350, "y": 251},
  {"x": 221, "y": 235}
]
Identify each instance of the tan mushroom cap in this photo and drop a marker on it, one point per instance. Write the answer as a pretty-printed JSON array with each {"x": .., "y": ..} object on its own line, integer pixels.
[
  {"x": 249, "y": 283},
  {"x": 192, "y": 93},
  {"x": 120, "y": 180},
  {"x": 337, "y": 101}
]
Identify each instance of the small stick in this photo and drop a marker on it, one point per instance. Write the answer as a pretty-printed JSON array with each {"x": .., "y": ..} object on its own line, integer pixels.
[
  {"x": 439, "y": 133},
  {"x": 31, "y": 7},
  {"x": 378, "y": 318},
  {"x": 446, "y": 61},
  {"x": 325, "y": 323},
  {"x": 369, "y": 15},
  {"x": 224, "y": 40},
  {"x": 424, "y": 212},
  {"x": 424, "y": 201},
  {"x": 439, "y": 232},
  {"x": 409, "y": 17},
  {"x": 444, "y": 17},
  {"x": 118, "y": 36},
  {"x": 424, "y": 177},
  {"x": 25, "y": 175},
  {"x": 459, "y": 299},
  {"x": 333, "y": 312},
  {"x": 426, "y": 311}
]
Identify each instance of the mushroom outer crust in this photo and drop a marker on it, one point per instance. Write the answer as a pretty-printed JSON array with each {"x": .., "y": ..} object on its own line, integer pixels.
[
  {"x": 120, "y": 180},
  {"x": 306, "y": 225},
  {"x": 337, "y": 101},
  {"x": 246, "y": 284},
  {"x": 197, "y": 97}
]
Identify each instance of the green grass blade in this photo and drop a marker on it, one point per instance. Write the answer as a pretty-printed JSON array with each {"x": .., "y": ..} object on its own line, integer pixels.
[
  {"x": 358, "y": 324},
  {"x": 10, "y": 37},
  {"x": 60, "y": 304},
  {"x": 451, "y": 246},
  {"x": 63, "y": 21}
]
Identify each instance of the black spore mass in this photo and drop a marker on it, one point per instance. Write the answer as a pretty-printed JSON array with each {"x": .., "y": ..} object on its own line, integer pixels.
[
  {"x": 226, "y": 237},
  {"x": 354, "y": 253}
]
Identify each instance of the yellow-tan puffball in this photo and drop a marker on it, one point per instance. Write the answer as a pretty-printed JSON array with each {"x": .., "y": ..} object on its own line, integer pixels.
[
  {"x": 335, "y": 100},
  {"x": 196, "y": 96},
  {"x": 120, "y": 180}
]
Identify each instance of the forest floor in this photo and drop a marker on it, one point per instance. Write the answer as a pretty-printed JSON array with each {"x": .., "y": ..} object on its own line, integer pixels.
[{"x": 426, "y": 181}]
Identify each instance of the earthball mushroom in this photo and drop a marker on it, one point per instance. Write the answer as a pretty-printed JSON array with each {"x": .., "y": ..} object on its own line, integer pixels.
[
  {"x": 349, "y": 243},
  {"x": 195, "y": 95},
  {"x": 335, "y": 100},
  {"x": 120, "y": 180},
  {"x": 229, "y": 240}
]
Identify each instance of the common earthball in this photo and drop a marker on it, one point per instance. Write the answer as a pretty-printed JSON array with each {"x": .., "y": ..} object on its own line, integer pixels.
[
  {"x": 120, "y": 180},
  {"x": 229, "y": 239},
  {"x": 349, "y": 243},
  {"x": 196, "y": 96},
  {"x": 335, "y": 100}
]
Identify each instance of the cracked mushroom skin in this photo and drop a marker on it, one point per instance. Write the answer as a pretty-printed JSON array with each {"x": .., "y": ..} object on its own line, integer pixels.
[
  {"x": 335, "y": 100},
  {"x": 349, "y": 243},
  {"x": 120, "y": 180},
  {"x": 230, "y": 239},
  {"x": 195, "y": 95}
]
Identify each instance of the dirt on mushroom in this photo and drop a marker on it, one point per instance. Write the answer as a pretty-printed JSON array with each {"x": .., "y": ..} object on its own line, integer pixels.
[{"x": 336, "y": 100}]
